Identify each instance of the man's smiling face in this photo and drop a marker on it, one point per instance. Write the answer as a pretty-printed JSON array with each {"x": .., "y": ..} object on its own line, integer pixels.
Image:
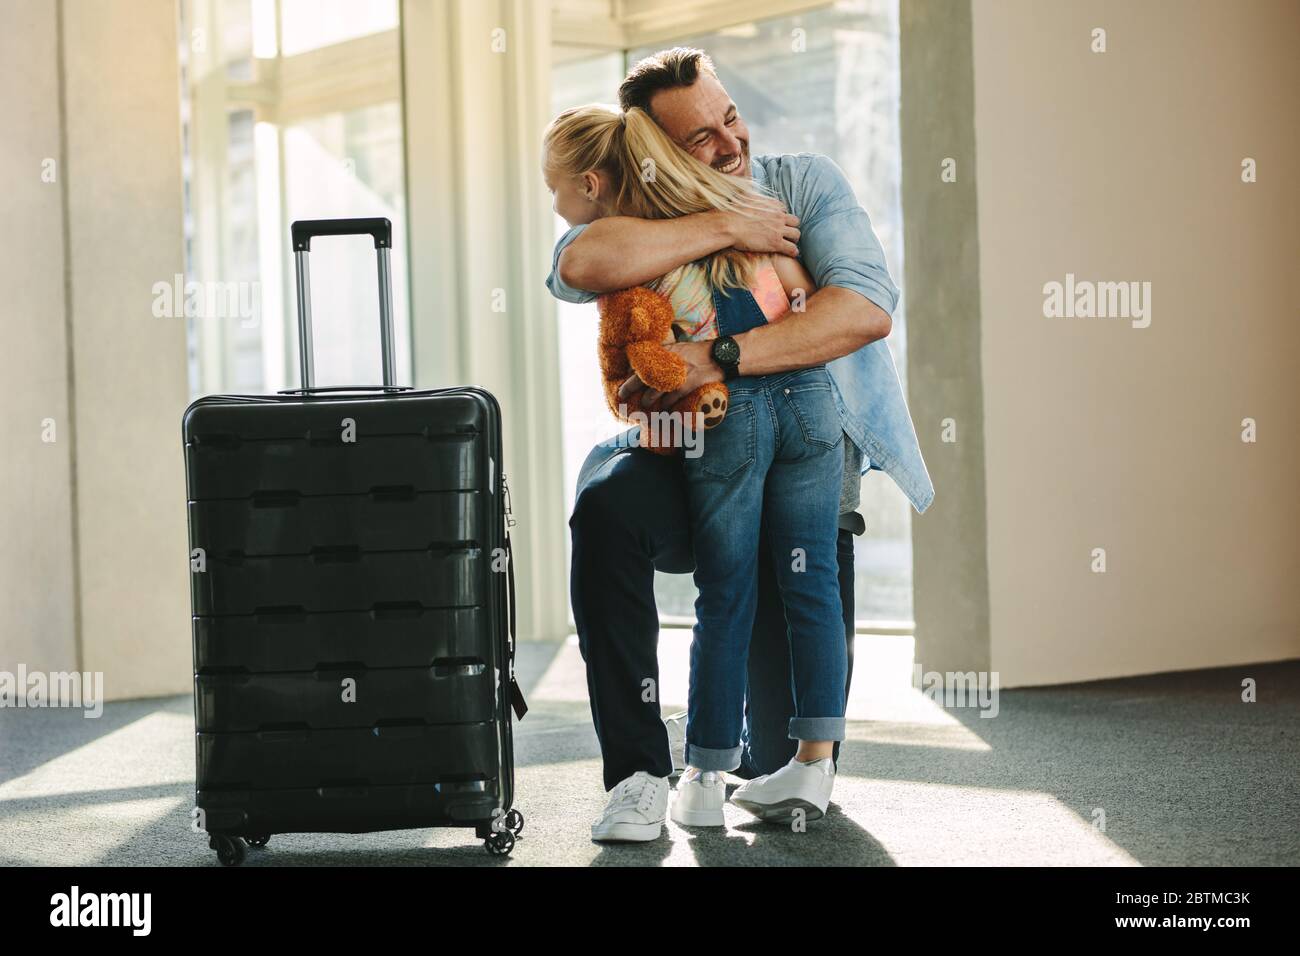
[{"x": 702, "y": 119}]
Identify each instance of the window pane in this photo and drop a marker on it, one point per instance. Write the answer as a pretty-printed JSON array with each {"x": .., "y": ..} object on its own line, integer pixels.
[
  {"x": 311, "y": 24},
  {"x": 585, "y": 417},
  {"x": 828, "y": 82},
  {"x": 344, "y": 165},
  {"x": 243, "y": 336},
  {"x": 248, "y": 174}
]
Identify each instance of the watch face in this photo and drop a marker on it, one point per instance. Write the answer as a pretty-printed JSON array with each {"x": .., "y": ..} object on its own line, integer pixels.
[{"x": 726, "y": 351}]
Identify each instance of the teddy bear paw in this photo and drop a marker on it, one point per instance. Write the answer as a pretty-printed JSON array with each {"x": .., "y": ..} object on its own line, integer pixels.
[{"x": 713, "y": 409}]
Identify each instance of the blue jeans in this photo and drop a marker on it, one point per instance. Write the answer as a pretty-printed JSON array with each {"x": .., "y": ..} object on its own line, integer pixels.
[
  {"x": 630, "y": 520},
  {"x": 775, "y": 458}
]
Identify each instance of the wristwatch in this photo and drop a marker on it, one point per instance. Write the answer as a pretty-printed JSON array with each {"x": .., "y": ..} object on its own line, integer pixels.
[{"x": 726, "y": 352}]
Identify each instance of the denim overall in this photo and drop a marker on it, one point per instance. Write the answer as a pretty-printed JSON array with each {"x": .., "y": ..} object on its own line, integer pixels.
[{"x": 775, "y": 462}]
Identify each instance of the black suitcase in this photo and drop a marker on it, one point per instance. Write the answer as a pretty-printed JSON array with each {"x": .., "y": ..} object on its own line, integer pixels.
[{"x": 352, "y": 591}]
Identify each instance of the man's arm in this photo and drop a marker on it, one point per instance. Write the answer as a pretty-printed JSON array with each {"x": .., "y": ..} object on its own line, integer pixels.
[
  {"x": 851, "y": 308},
  {"x": 836, "y": 322},
  {"x": 855, "y": 295},
  {"x": 619, "y": 252}
]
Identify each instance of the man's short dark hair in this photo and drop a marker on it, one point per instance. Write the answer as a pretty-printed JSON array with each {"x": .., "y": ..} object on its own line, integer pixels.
[{"x": 666, "y": 70}]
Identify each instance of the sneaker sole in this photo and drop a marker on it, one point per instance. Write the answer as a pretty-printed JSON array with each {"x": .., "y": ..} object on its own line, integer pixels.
[
  {"x": 699, "y": 818},
  {"x": 781, "y": 812},
  {"x": 627, "y": 833}
]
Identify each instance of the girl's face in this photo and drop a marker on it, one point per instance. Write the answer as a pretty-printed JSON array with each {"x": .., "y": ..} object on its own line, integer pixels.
[{"x": 577, "y": 198}]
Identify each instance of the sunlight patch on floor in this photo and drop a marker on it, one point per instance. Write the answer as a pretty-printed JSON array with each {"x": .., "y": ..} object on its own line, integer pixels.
[
  {"x": 948, "y": 735},
  {"x": 83, "y": 833},
  {"x": 921, "y": 824},
  {"x": 100, "y": 764},
  {"x": 881, "y": 692}
]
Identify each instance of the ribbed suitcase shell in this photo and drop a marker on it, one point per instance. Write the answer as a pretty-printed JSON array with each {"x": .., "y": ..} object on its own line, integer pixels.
[{"x": 375, "y": 560}]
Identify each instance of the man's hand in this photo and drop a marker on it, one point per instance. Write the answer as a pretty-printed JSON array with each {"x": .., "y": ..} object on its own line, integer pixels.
[
  {"x": 701, "y": 369},
  {"x": 767, "y": 228},
  {"x": 834, "y": 323}
]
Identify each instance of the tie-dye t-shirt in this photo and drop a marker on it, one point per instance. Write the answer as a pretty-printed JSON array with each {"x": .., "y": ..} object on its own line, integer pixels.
[{"x": 687, "y": 288}]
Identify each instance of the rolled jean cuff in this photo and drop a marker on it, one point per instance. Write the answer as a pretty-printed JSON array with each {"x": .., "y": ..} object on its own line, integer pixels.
[
  {"x": 704, "y": 758},
  {"x": 817, "y": 728}
]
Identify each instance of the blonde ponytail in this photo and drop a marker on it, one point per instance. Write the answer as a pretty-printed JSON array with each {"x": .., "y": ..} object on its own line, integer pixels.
[
  {"x": 659, "y": 180},
  {"x": 586, "y": 139},
  {"x": 650, "y": 176}
]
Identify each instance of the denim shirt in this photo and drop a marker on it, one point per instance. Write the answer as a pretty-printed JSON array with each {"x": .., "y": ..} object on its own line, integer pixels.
[{"x": 838, "y": 248}]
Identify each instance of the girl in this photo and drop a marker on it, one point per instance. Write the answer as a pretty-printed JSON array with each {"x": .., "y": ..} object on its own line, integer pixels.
[{"x": 775, "y": 458}]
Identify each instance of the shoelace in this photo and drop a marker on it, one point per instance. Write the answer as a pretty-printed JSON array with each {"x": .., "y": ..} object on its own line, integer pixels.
[{"x": 634, "y": 794}]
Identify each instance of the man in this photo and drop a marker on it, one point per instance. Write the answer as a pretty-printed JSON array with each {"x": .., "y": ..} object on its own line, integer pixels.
[{"x": 629, "y": 516}]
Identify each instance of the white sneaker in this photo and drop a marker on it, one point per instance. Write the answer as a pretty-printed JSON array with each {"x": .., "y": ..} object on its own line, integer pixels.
[
  {"x": 635, "y": 811},
  {"x": 676, "y": 724},
  {"x": 699, "y": 799},
  {"x": 776, "y": 797}
]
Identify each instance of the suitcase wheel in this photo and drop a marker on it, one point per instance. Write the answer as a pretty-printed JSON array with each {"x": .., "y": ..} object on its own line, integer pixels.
[
  {"x": 515, "y": 822},
  {"x": 500, "y": 843},
  {"x": 230, "y": 850}
]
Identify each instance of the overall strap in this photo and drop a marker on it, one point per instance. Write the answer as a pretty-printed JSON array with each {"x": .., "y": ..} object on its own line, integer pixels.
[{"x": 737, "y": 311}]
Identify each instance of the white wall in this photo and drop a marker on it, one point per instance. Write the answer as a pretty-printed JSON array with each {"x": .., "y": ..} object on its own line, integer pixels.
[
  {"x": 36, "y": 566},
  {"x": 95, "y": 555},
  {"x": 1126, "y": 166}
]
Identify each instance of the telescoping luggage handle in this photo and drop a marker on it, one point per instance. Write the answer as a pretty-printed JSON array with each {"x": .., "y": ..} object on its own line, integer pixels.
[{"x": 302, "y": 233}]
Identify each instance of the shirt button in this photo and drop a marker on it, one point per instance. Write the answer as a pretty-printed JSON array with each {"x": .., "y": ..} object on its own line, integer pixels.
[{"x": 787, "y": 391}]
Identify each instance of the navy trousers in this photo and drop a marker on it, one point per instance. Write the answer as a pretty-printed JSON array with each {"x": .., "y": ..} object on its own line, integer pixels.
[{"x": 630, "y": 518}]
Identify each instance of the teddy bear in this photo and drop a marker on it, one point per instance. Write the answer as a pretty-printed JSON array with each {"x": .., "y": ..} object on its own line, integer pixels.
[{"x": 635, "y": 324}]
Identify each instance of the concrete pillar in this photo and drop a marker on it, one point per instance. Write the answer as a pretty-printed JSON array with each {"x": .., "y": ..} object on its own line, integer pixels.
[{"x": 96, "y": 557}]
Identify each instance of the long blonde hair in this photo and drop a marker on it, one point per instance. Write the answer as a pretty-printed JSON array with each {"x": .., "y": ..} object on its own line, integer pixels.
[{"x": 650, "y": 176}]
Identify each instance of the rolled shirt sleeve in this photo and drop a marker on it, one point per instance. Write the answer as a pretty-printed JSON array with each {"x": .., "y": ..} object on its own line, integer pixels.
[
  {"x": 837, "y": 244},
  {"x": 554, "y": 283}
]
